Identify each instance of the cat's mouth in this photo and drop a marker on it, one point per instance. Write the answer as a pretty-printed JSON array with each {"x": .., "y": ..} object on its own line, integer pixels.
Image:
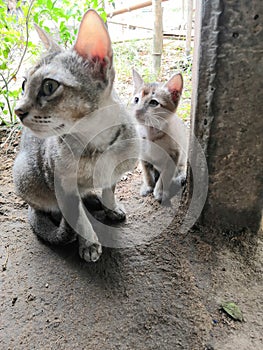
[{"x": 42, "y": 127}]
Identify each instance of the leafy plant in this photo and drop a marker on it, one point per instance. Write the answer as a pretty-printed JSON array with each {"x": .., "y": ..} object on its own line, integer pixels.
[
  {"x": 12, "y": 50},
  {"x": 63, "y": 17}
]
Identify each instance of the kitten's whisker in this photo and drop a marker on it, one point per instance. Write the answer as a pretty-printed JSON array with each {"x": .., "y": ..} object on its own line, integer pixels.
[
  {"x": 148, "y": 121},
  {"x": 160, "y": 119},
  {"x": 163, "y": 112},
  {"x": 166, "y": 114},
  {"x": 155, "y": 119}
]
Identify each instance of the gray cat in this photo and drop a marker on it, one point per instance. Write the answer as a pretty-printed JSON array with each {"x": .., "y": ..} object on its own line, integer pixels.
[
  {"x": 73, "y": 122},
  {"x": 164, "y": 136}
]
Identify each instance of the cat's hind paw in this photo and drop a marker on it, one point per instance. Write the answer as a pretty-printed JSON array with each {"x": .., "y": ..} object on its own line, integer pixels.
[
  {"x": 90, "y": 253},
  {"x": 145, "y": 190}
]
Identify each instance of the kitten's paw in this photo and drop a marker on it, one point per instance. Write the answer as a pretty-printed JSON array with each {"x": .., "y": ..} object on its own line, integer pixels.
[
  {"x": 181, "y": 180},
  {"x": 117, "y": 214},
  {"x": 177, "y": 185},
  {"x": 162, "y": 197},
  {"x": 90, "y": 252},
  {"x": 145, "y": 190}
]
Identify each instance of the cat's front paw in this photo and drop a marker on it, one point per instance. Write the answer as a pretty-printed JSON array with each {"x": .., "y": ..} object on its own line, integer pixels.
[
  {"x": 90, "y": 252},
  {"x": 145, "y": 190},
  {"x": 117, "y": 214}
]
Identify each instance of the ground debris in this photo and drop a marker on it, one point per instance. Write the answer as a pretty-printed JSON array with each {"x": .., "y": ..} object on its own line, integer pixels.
[
  {"x": 232, "y": 310},
  {"x": 5, "y": 257},
  {"x": 14, "y": 300}
]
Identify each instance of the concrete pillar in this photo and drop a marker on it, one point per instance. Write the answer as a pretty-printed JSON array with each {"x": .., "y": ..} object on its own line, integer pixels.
[{"x": 227, "y": 111}]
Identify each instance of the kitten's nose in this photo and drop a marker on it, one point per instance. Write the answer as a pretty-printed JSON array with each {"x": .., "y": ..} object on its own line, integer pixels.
[{"x": 20, "y": 113}]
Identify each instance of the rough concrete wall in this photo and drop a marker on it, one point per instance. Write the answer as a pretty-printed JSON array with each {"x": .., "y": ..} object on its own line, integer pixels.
[{"x": 227, "y": 111}]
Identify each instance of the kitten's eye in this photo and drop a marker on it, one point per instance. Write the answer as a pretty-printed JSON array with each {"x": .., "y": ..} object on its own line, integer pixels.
[
  {"x": 23, "y": 86},
  {"x": 136, "y": 99},
  {"x": 154, "y": 103},
  {"x": 49, "y": 86}
]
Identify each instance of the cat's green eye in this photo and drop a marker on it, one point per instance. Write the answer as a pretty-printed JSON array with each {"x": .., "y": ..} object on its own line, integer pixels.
[
  {"x": 49, "y": 86},
  {"x": 154, "y": 103}
]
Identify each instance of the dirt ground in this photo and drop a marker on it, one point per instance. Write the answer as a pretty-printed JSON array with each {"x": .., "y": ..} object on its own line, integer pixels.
[{"x": 164, "y": 292}]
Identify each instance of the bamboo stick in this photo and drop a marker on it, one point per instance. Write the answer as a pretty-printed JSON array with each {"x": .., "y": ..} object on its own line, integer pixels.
[
  {"x": 131, "y": 8},
  {"x": 157, "y": 35},
  {"x": 189, "y": 27}
]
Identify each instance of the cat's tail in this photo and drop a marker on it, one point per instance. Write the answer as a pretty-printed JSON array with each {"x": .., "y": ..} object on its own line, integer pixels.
[{"x": 50, "y": 229}]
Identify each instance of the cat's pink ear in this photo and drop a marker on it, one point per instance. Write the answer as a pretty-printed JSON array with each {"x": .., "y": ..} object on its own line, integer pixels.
[
  {"x": 175, "y": 86},
  {"x": 137, "y": 80},
  {"x": 93, "y": 39}
]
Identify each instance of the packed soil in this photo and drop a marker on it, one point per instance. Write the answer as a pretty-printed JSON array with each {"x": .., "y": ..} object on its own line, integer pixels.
[{"x": 163, "y": 289}]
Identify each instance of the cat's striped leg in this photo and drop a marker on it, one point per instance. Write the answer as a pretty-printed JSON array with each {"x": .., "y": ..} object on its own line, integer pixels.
[
  {"x": 89, "y": 246},
  {"x": 74, "y": 212}
]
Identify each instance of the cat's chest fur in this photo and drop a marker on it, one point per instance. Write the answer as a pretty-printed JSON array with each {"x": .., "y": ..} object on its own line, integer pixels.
[{"x": 77, "y": 158}]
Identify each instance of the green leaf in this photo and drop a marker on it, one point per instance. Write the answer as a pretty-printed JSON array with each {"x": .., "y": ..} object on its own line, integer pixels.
[
  {"x": 49, "y": 4},
  {"x": 3, "y": 66},
  {"x": 232, "y": 310},
  {"x": 36, "y": 16}
]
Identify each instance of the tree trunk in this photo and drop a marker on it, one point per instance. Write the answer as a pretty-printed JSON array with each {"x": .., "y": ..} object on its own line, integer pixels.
[{"x": 227, "y": 113}]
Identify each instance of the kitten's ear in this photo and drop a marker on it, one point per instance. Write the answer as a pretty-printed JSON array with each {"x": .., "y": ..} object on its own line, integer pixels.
[
  {"x": 175, "y": 86},
  {"x": 49, "y": 43},
  {"x": 137, "y": 80},
  {"x": 93, "y": 39}
]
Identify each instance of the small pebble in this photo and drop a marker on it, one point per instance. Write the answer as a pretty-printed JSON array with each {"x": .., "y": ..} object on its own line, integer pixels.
[
  {"x": 31, "y": 297},
  {"x": 14, "y": 301}
]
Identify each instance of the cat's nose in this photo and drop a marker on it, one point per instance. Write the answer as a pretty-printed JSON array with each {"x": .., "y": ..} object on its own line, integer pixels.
[{"x": 21, "y": 113}]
